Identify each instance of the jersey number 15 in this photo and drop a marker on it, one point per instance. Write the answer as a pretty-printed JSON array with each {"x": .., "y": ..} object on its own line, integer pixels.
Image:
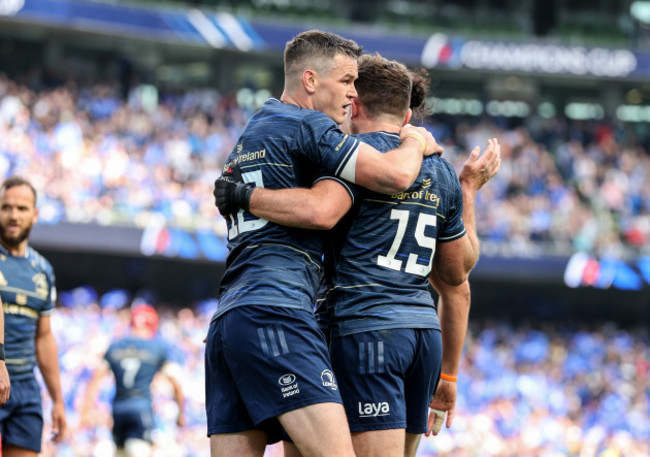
[{"x": 412, "y": 266}]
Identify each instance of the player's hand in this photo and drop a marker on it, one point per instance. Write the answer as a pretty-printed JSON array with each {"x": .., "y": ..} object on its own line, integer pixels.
[
  {"x": 431, "y": 146},
  {"x": 444, "y": 401},
  {"x": 480, "y": 168},
  {"x": 59, "y": 424},
  {"x": 230, "y": 193},
  {"x": 5, "y": 384}
]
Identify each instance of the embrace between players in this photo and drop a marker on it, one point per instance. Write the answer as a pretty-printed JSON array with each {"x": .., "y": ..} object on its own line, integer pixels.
[{"x": 331, "y": 340}]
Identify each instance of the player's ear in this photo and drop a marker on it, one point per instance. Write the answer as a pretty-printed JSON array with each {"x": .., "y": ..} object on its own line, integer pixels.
[
  {"x": 407, "y": 117},
  {"x": 309, "y": 81},
  {"x": 355, "y": 107}
]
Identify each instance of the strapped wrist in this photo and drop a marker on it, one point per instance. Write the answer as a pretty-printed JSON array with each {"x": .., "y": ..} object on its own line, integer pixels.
[
  {"x": 418, "y": 137},
  {"x": 449, "y": 378},
  {"x": 242, "y": 195},
  {"x": 2, "y": 351}
]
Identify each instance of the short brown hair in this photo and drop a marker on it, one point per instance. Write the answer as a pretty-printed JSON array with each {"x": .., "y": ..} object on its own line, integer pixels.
[
  {"x": 316, "y": 49},
  {"x": 15, "y": 181},
  {"x": 388, "y": 87}
]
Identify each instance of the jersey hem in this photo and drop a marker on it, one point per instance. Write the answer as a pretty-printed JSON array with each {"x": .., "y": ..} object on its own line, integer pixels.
[{"x": 338, "y": 333}]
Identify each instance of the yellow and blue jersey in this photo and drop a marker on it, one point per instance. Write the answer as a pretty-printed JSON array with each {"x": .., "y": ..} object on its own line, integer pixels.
[
  {"x": 28, "y": 291},
  {"x": 382, "y": 251},
  {"x": 282, "y": 146}
]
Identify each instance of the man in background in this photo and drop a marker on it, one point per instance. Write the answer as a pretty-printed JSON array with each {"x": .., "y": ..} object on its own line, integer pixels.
[
  {"x": 28, "y": 294},
  {"x": 134, "y": 361}
]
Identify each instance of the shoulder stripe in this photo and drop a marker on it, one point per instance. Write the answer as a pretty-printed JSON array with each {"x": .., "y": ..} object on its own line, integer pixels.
[{"x": 347, "y": 156}]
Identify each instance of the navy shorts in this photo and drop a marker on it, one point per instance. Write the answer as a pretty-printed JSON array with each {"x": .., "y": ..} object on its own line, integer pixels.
[
  {"x": 133, "y": 424},
  {"x": 388, "y": 377},
  {"x": 21, "y": 418},
  {"x": 263, "y": 361}
]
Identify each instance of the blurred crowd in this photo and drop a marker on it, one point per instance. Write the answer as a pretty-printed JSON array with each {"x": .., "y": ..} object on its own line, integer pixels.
[
  {"x": 524, "y": 391},
  {"x": 151, "y": 159}
]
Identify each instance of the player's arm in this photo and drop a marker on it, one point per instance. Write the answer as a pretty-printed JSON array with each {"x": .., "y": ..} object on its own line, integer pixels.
[
  {"x": 477, "y": 171},
  {"x": 395, "y": 170},
  {"x": 319, "y": 207},
  {"x": 48, "y": 362},
  {"x": 455, "y": 259},
  {"x": 453, "y": 311},
  {"x": 5, "y": 385},
  {"x": 171, "y": 372},
  {"x": 101, "y": 371}
]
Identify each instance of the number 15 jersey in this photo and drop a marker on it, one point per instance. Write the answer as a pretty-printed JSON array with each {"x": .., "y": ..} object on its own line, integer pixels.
[{"x": 383, "y": 250}]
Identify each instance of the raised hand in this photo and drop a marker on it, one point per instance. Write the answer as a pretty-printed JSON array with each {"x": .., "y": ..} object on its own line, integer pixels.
[{"x": 480, "y": 168}]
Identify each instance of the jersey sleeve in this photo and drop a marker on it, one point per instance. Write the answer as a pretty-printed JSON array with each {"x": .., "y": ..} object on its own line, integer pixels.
[
  {"x": 454, "y": 226},
  {"x": 351, "y": 190},
  {"x": 49, "y": 304},
  {"x": 321, "y": 141}
]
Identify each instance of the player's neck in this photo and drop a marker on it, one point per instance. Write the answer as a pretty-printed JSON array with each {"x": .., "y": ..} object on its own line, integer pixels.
[
  {"x": 367, "y": 125},
  {"x": 288, "y": 98},
  {"x": 19, "y": 250}
]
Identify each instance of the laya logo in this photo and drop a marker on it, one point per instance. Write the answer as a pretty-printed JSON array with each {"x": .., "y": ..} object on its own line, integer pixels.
[
  {"x": 287, "y": 379},
  {"x": 11, "y": 7},
  {"x": 328, "y": 379},
  {"x": 374, "y": 409},
  {"x": 289, "y": 385}
]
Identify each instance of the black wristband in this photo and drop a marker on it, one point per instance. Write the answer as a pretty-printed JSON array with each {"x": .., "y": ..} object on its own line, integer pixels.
[
  {"x": 242, "y": 196},
  {"x": 2, "y": 351}
]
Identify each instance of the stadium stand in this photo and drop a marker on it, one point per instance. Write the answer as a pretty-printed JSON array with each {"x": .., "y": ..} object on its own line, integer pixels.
[
  {"x": 526, "y": 389},
  {"x": 564, "y": 186}
]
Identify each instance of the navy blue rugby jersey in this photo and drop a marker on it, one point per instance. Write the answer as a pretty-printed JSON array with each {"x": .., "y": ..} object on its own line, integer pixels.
[
  {"x": 383, "y": 249},
  {"x": 28, "y": 292},
  {"x": 282, "y": 146},
  {"x": 134, "y": 362}
]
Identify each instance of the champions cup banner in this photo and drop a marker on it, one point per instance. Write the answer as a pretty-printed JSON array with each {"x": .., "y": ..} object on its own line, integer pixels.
[{"x": 224, "y": 30}]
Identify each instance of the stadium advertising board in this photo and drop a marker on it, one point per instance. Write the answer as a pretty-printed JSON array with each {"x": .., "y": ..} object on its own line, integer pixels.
[
  {"x": 228, "y": 31},
  {"x": 441, "y": 50}
]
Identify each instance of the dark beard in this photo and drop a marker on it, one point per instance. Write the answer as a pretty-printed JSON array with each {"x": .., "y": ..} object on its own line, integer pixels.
[{"x": 14, "y": 241}]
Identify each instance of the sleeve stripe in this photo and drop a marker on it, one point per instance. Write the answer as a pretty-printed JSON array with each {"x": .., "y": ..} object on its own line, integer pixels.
[
  {"x": 341, "y": 182},
  {"x": 452, "y": 237},
  {"x": 351, "y": 154}
]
